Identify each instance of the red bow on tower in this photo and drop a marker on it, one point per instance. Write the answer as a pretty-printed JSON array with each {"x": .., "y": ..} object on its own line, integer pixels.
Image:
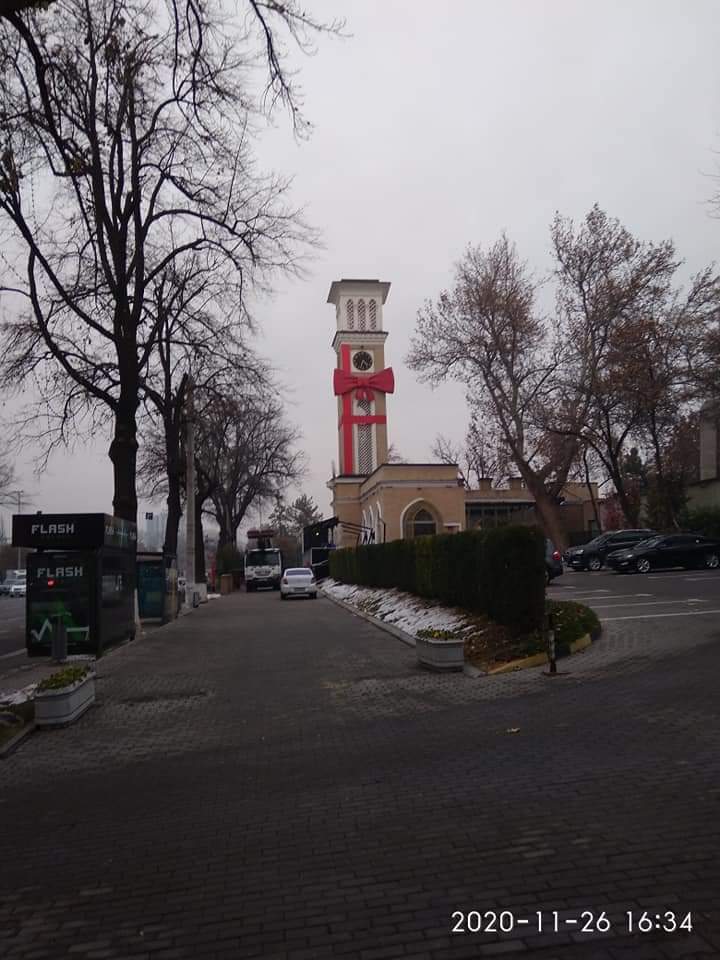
[{"x": 383, "y": 381}]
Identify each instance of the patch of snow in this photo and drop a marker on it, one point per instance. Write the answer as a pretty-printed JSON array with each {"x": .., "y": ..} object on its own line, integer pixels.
[
  {"x": 402, "y": 610},
  {"x": 14, "y": 697}
]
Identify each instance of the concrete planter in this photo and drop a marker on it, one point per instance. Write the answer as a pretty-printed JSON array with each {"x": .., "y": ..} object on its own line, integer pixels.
[
  {"x": 440, "y": 655},
  {"x": 57, "y": 708}
]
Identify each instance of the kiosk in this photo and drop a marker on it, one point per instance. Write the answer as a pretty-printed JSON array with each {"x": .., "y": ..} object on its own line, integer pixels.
[
  {"x": 81, "y": 576},
  {"x": 157, "y": 586}
]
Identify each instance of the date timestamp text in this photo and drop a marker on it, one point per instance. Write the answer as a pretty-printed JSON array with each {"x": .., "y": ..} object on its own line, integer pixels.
[{"x": 554, "y": 921}]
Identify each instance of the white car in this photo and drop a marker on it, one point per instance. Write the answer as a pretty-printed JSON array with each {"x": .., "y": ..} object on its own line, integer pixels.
[
  {"x": 298, "y": 582},
  {"x": 18, "y": 589}
]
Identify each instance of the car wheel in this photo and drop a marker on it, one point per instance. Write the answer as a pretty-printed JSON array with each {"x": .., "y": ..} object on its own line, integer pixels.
[
  {"x": 712, "y": 561},
  {"x": 643, "y": 565},
  {"x": 594, "y": 564}
]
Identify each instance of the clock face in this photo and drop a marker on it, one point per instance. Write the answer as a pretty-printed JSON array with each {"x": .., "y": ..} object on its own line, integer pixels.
[{"x": 362, "y": 360}]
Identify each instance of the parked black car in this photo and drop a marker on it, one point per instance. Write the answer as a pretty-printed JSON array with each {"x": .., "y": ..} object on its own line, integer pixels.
[
  {"x": 591, "y": 556},
  {"x": 553, "y": 562},
  {"x": 676, "y": 550}
]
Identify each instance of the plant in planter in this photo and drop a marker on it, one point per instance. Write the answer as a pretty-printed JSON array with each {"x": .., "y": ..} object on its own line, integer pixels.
[
  {"x": 440, "y": 649},
  {"x": 64, "y": 696}
]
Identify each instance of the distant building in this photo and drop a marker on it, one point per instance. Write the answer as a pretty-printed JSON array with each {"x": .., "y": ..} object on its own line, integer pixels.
[{"x": 705, "y": 492}]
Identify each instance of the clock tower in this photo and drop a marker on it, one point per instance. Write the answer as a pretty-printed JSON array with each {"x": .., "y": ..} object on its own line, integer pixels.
[
  {"x": 374, "y": 501},
  {"x": 361, "y": 380}
]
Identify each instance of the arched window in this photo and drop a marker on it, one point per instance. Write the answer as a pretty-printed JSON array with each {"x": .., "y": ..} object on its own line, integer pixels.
[
  {"x": 423, "y": 524},
  {"x": 361, "y": 314},
  {"x": 372, "y": 310},
  {"x": 420, "y": 521},
  {"x": 350, "y": 314}
]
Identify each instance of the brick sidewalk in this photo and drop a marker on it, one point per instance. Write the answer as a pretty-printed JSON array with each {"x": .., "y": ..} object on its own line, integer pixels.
[{"x": 267, "y": 779}]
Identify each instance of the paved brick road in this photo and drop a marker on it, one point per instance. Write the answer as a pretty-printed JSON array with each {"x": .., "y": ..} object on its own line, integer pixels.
[{"x": 278, "y": 780}]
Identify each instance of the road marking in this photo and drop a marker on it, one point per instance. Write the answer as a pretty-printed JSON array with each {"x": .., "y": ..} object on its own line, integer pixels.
[
  {"x": 652, "y": 603},
  {"x": 656, "y": 616},
  {"x": 603, "y": 590},
  {"x": 674, "y": 576},
  {"x": 617, "y": 596}
]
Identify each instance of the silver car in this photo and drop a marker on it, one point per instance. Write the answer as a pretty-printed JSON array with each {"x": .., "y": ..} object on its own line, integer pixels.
[
  {"x": 14, "y": 586},
  {"x": 298, "y": 582}
]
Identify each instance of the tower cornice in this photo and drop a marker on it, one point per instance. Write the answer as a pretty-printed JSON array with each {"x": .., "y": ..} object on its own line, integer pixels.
[
  {"x": 359, "y": 338},
  {"x": 357, "y": 287}
]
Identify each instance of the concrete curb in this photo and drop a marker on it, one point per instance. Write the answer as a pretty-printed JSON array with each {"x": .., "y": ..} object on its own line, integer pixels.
[
  {"x": 469, "y": 669},
  {"x": 12, "y": 745},
  {"x": 396, "y": 632}
]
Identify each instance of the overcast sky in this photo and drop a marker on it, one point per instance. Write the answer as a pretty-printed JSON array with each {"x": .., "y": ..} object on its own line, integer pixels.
[{"x": 442, "y": 124}]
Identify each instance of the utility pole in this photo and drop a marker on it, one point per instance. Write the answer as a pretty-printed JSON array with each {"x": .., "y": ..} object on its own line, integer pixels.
[
  {"x": 18, "y": 495},
  {"x": 190, "y": 495}
]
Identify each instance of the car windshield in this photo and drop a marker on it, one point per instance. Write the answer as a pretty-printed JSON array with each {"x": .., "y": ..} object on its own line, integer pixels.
[
  {"x": 598, "y": 541},
  {"x": 299, "y": 572},
  {"x": 262, "y": 558}
]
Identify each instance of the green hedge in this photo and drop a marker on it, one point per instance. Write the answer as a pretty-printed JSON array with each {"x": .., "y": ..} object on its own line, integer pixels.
[
  {"x": 499, "y": 573},
  {"x": 705, "y": 520}
]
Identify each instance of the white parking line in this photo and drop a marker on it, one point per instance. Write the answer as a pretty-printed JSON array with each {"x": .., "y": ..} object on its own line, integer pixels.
[
  {"x": 657, "y": 616},
  {"x": 671, "y": 576},
  {"x": 584, "y": 592},
  {"x": 651, "y": 603},
  {"x": 615, "y": 596}
]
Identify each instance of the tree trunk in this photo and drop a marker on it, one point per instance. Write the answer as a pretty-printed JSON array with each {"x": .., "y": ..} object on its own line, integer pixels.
[
  {"x": 199, "y": 541},
  {"x": 549, "y": 513},
  {"x": 174, "y": 475},
  {"x": 588, "y": 484},
  {"x": 123, "y": 449}
]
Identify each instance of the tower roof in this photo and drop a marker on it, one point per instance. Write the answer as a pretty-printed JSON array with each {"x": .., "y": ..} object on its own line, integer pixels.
[{"x": 357, "y": 286}]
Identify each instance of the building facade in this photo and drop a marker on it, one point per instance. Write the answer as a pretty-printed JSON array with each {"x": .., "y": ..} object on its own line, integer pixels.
[{"x": 373, "y": 500}]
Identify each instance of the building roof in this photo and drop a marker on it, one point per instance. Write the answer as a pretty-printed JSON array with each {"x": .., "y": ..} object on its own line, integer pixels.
[{"x": 335, "y": 286}]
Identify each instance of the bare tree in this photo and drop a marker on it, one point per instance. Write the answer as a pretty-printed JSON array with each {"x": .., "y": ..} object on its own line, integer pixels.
[
  {"x": 487, "y": 333},
  {"x": 394, "y": 455},
  {"x": 640, "y": 339},
  {"x": 199, "y": 338},
  {"x": 480, "y": 457},
  {"x": 246, "y": 454},
  {"x": 7, "y": 475},
  {"x": 140, "y": 130}
]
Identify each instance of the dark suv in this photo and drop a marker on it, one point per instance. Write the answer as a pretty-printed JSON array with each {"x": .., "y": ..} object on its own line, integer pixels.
[{"x": 591, "y": 556}]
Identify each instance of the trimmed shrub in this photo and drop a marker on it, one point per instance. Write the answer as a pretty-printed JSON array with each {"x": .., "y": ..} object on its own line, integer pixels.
[
  {"x": 571, "y": 621},
  {"x": 499, "y": 573}
]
